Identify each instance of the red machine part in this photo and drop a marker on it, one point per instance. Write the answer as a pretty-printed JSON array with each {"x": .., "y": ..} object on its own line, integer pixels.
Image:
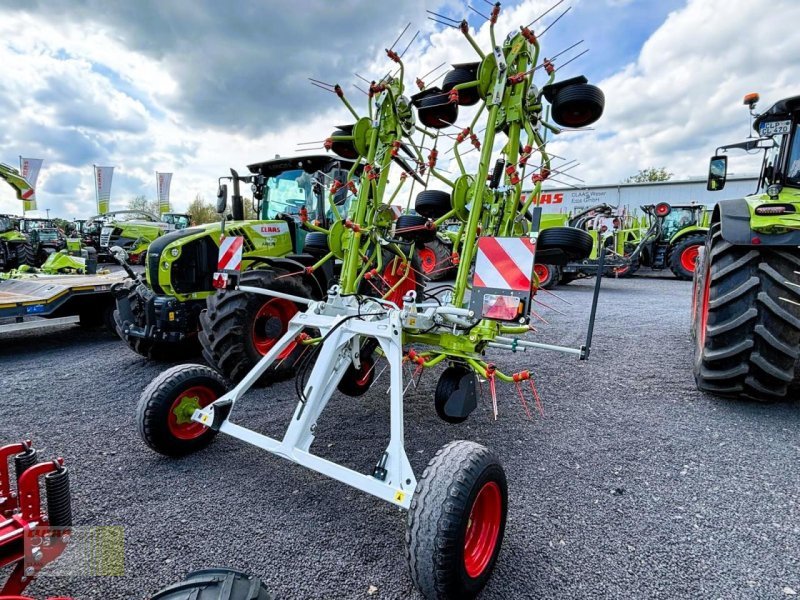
[{"x": 27, "y": 539}]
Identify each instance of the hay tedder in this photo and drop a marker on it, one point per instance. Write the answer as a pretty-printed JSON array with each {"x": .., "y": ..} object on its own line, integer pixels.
[
  {"x": 457, "y": 509},
  {"x": 30, "y": 537}
]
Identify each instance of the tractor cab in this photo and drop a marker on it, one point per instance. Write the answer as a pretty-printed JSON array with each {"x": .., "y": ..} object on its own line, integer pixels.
[
  {"x": 44, "y": 236},
  {"x": 679, "y": 218},
  {"x": 296, "y": 190},
  {"x": 6, "y": 224},
  {"x": 176, "y": 220}
]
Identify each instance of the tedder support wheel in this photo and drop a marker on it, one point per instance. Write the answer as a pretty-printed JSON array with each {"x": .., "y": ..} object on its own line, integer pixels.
[
  {"x": 215, "y": 584},
  {"x": 456, "y": 521},
  {"x": 455, "y": 396},
  {"x": 747, "y": 323},
  {"x": 683, "y": 256},
  {"x": 435, "y": 260},
  {"x": 164, "y": 412},
  {"x": 238, "y": 328},
  {"x": 548, "y": 275},
  {"x": 356, "y": 382}
]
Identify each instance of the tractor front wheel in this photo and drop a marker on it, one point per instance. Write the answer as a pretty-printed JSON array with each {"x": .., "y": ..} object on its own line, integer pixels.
[
  {"x": 239, "y": 328},
  {"x": 548, "y": 275},
  {"x": 683, "y": 256},
  {"x": 165, "y": 409},
  {"x": 456, "y": 521},
  {"x": 747, "y": 320},
  {"x": 25, "y": 255}
]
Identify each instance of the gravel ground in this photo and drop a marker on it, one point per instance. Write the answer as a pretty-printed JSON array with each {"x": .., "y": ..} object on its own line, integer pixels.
[{"x": 634, "y": 485}]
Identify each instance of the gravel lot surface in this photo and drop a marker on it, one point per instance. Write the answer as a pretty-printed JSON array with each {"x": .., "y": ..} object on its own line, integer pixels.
[{"x": 634, "y": 485}]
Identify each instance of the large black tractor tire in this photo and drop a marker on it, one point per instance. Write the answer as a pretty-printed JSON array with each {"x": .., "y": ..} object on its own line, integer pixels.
[
  {"x": 25, "y": 255},
  {"x": 468, "y": 96},
  {"x": 578, "y": 105},
  {"x": 565, "y": 243},
  {"x": 414, "y": 228},
  {"x": 747, "y": 328},
  {"x": 456, "y": 521},
  {"x": 432, "y": 203},
  {"x": 436, "y": 260},
  {"x": 237, "y": 329},
  {"x": 215, "y": 584},
  {"x": 165, "y": 407},
  {"x": 682, "y": 257}
]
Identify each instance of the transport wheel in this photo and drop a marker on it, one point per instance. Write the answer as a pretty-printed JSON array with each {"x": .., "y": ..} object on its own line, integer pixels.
[
  {"x": 578, "y": 105},
  {"x": 345, "y": 149},
  {"x": 392, "y": 273},
  {"x": 456, "y": 521},
  {"x": 468, "y": 96},
  {"x": 432, "y": 203},
  {"x": 435, "y": 260},
  {"x": 238, "y": 328},
  {"x": 215, "y": 584},
  {"x": 576, "y": 244},
  {"x": 548, "y": 275},
  {"x": 316, "y": 243},
  {"x": 414, "y": 228},
  {"x": 356, "y": 382},
  {"x": 683, "y": 256},
  {"x": 455, "y": 396},
  {"x": 437, "y": 112},
  {"x": 748, "y": 336},
  {"x": 164, "y": 412}
]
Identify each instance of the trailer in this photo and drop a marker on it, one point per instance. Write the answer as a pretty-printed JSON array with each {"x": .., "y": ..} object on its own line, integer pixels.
[{"x": 47, "y": 300}]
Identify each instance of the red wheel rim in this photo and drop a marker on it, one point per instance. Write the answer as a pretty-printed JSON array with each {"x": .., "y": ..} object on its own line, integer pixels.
[
  {"x": 542, "y": 273},
  {"x": 179, "y": 419},
  {"x": 394, "y": 272},
  {"x": 428, "y": 259},
  {"x": 704, "y": 309},
  {"x": 364, "y": 374},
  {"x": 483, "y": 529},
  {"x": 689, "y": 258},
  {"x": 271, "y": 322}
]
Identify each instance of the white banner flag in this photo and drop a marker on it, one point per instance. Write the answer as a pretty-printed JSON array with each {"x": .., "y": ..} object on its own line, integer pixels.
[
  {"x": 162, "y": 185},
  {"x": 102, "y": 187},
  {"x": 29, "y": 169}
]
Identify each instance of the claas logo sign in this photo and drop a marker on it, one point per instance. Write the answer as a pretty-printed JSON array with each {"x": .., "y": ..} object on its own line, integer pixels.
[{"x": 549, "y": 198}]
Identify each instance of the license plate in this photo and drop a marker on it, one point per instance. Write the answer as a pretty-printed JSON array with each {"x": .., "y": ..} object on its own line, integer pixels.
[{"x": 771, "y": 128}]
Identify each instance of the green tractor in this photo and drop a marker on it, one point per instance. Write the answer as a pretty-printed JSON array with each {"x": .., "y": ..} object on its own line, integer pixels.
[
  {"x": 746, "y": 308},
  {"x": 159, "y": 313},
  {"x": 44, "y": 236},
  {"x": 135, "y": 230},
  {"x": 15, "y": 247}
]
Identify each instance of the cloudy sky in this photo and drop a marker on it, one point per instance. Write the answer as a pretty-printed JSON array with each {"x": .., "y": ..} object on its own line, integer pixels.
[{"x": 195, "y": 87}]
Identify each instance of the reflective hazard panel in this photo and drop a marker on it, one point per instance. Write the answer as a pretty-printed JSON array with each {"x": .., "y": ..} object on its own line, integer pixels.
[{"x": 503, "y": 278}]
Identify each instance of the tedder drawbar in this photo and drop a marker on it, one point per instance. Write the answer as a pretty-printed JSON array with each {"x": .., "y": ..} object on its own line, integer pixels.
[{"x": 457, "y": 509}]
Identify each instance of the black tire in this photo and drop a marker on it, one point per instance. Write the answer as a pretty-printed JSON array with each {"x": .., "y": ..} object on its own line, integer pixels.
[
  {"x": 448, "y": 384},
  {"x": 437, "y": 112},
  {"x": 25, "y": 255},
  {"x": 565, "y": 244},
  {"x": 679, "y": 253},
  {"x": 698, "y": 286},
  {"x": 215, "y": 584},
  {"x": 567, "y": 278},
  {"x": 230, "y": 333},
  {"x": 436, "y": 260},
  {"x": 316, "y": 243},
  {"x": 355, "y": 383},
  {"x": 549, "y": 275},
  {"x": 748, "y": 338},
  {"x": 156, "y": 409},
  {"x": 578, "y": 105},
  {"x": 440, "y": 514},
  {"x": 414, "y": 228},
  {"x": 432, "y": 203},
  {"x": 466, "y": 97},
  {"x": 345, "y": 149}
]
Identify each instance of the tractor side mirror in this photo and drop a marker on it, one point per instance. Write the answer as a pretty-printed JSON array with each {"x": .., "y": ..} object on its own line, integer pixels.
[
  {"x": 717, "y": 173},
  {"x": 222, "y": 198}
]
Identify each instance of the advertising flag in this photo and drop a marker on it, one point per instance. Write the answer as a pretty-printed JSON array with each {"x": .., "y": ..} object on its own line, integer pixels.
[
  {"x": 29, "y": 169},
  {"x": 162, "y": 184},
  {"x": 102, "y": 187}
]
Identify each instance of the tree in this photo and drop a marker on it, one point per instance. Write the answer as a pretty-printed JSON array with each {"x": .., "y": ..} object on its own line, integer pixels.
[
  {"x": 650, "y": 174},
  {"x": 202, "y": 211},
  {"x": 142, "y": 203}
]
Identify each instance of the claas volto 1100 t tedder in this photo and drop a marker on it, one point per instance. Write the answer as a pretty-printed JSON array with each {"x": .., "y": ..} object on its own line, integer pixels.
[{"x": 457, "y": 509}]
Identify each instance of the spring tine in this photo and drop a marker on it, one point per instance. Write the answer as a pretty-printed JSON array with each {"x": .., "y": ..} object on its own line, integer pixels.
[
  {"x": 399, "y": 36},
  {"x": 558, "y": 18},
  {"x": 364, "y": 79},
  {"x": 550, "y": 307},
  {"x": 403, "y": 53},
  {"x": 432, "y": 71},
  {"x": 545, "y": 12},
  {"x": 361, "y": 90},
  {"x": 552, "y": 58},
  {"x": 435, "y": 14},
  {"x": 564, "y": 300},
  {"x": 311, "y": 79},
  {"x": 571, "y": 59},
  {"x": 442, "y": 23},
  {"x": 469, "y": 6},
  {"x": 322, "y": 87}
]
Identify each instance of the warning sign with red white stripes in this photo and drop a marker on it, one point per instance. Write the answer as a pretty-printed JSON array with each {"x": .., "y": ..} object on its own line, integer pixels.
[
  {"x": 230, "y": 253},
  {"x": 503, "y": 278}
]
